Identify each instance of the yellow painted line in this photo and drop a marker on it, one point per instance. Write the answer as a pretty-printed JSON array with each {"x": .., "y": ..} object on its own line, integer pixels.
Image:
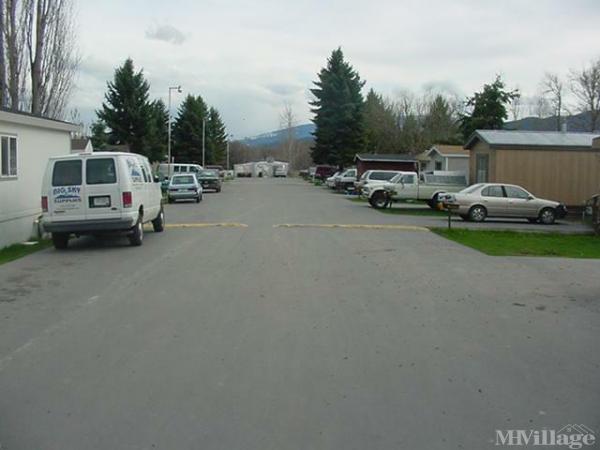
[
  {"x": 206, "y": 225},
  {"x": 351, "y": 226}
]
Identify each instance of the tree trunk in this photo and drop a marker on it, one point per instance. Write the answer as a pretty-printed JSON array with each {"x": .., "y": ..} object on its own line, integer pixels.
[{"x": 2, "y": 58}]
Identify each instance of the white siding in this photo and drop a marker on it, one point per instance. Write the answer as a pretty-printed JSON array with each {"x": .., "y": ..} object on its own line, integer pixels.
[{"x": 20, "y": 196}]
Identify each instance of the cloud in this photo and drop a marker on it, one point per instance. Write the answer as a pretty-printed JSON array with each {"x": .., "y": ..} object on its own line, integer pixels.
[{"x": 166, "y": 33}]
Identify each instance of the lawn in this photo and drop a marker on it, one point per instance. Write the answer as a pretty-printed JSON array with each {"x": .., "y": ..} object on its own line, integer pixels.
[
  {"x": 16, "y": 251},
  {"x": 513, "y": 243}
]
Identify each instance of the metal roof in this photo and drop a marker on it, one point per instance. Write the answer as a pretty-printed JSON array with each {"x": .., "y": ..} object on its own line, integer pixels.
[
  {"x": 511, "y": 138},
  {"x": 387, "y": 157}
]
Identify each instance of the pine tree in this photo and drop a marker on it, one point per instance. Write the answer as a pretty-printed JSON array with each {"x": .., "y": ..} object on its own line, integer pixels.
[
  {"x": 158, "y": 131},
  {"x": 99, "y": 135},
  {"x": 338, "y": 109},
  {"x": 381, "y": 125},
  {"x": 439, "y": 124},
  {"x": 489, "y": 108},
  {"x": 187, "y": 130},
  {"x": 216, "y": 138},
  {"x": 126, "y": 111}
]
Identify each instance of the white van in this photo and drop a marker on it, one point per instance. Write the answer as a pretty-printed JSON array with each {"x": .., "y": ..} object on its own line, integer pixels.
[
  {"x": 166, "y": 170},
  {"x": 95, "y": 193}
]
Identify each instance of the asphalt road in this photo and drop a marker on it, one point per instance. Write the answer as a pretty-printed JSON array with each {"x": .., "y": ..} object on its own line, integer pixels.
[{"x": 257, "y": 336}]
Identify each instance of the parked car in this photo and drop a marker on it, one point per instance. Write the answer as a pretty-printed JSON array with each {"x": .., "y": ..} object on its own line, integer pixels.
[
  {"x": 323, "y": 172},
  {"x": 373, "y": 178},
  {"x": 330, "y": 181},
  {"x": 210, "y": 180},
  {"x": 483, "y": 200},
  {"x": 184, "y": 187},
  {"x": 346, "y": 180},
  {"x": 414, "y": 186},
  {"x": 95, "y": 193}
]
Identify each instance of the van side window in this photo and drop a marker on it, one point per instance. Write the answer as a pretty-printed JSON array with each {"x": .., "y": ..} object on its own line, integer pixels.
[
  {"x": 176, "y": 169},
  {"x": 100, "y": 171},
  {"x": 144, "y": 173},
  {"x": 67, "y": 173}
]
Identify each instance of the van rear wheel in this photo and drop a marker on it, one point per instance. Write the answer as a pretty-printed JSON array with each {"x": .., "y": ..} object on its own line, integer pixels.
[
  {"x": 60, "y": 240},
  {"x": 136, "y": 238},
  {"x": 158, "y": 224}
]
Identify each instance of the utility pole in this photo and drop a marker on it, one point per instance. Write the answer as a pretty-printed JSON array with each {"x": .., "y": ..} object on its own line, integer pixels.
[
  {"x": 203, "y": 141},
  {"x": 178, "y": 89}
]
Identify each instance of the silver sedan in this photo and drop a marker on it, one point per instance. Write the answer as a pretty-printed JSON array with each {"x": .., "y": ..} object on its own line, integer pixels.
[{"x": 479, "y": 201}]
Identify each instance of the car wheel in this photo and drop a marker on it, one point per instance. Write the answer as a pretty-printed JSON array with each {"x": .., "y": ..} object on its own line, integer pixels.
[
  {"x": 378, "y": 200},
  {"x": 136, "y": 238},
  {"x": 169, "y": 200},
  {"x": 547, "y": 216},
  {"x": 198, "y": 199},
  {"x": 464, "y": 217},
  {"x": 477, "y": 213},
  {"x": 60, "y": 240},
  {"x": 219, "y": 190},
  {"x": 158, "y": 224},
  {"x": 433, "y": 202},
  {"x": 201, "y": 197}
]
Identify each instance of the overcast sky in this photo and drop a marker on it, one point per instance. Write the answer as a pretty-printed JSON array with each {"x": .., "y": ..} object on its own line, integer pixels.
[{"x": 248, "y": 58}]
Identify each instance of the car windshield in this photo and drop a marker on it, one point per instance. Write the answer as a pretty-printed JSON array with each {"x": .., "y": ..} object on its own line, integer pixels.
[
  {"x": 183, "y": 179},
  {"x": 209, "y": 174},
  {"x": 471, "y": 189}
]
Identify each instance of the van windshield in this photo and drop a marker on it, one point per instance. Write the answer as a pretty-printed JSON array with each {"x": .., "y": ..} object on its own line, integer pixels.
[
  {"x": 100, "y": 171},
  {"x": 67, "y": 173}
]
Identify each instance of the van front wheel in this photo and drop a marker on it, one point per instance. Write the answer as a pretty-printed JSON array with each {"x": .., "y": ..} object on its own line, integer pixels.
[
  {"x": 60, "y": 240},
  {"x": 137, "y": 234}
]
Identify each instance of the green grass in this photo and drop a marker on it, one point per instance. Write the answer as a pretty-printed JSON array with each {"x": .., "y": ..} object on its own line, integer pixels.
[
  {"x": 514, "y": 243},
  {"x": 17, "y": 251}
]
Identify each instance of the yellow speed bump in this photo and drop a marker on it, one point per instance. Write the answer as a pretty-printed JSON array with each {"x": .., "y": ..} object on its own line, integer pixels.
[
  {"x": 351, "y": 226},
  {"x": 207, "y": 225}
]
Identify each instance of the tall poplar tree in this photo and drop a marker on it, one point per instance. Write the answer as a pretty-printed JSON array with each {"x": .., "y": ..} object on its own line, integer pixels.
[
  {"x": 216, "y": 138},
  {"x": 338, "y": 109}
]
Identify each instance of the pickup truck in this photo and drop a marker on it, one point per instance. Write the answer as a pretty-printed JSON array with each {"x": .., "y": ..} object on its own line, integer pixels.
[{"x": 412, "y": 186}]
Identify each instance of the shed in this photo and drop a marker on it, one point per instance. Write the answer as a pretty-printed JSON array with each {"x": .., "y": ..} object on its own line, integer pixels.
[
  {"x": 390, "y": 161},
  {"x": 554, "y": 165},
  {"x": 26, "y": 144}
]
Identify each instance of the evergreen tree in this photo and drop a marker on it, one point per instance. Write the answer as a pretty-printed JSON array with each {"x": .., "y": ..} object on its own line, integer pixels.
[
  {"x": 126, "y": 111},
  {"x": 381, "y": 124},
  {"x": 439, "y": 124},
  {"x": 339, "y": 115},
  {"x": 187, "y": 130},
  {"x": 216, "y": 138},
  {"x": 158, "y": 131},
  {"x": 489, "y": 108},
  {"x": 99, "y": 136}
]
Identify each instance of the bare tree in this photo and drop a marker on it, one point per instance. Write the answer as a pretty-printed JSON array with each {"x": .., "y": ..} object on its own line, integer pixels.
[
  {"x": 53, "y": 57},
  {"x": 515, "y": 108},
  {"x": 553, "y": 87},
  {"x": 585, "y": 85},
  {"x": 13, "y": 37},
  {"x": 287, "y": 123},
  {"x": 539, "y": 106}
]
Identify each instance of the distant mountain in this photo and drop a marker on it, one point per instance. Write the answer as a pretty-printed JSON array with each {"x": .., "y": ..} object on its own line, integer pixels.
[
  {"x": 274, "y": 138},
  {"x": 578, "y": 122}
]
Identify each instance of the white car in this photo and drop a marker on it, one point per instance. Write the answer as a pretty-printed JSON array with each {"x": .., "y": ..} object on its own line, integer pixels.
[
  {"x": 184, "y": 187},
  {"x": 345, "y": 180},
  {"x": 96, "y": 193},
  {"x": 330, "y": 181},
  {"x": 372, "y": 178}
]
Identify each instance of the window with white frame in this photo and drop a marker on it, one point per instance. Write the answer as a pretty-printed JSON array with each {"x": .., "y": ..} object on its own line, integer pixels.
[{"x": 8, "y": 156}]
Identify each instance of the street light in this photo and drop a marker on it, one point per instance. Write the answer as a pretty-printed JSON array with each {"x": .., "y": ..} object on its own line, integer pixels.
[
  {"x": 178, "y": 89},
  {"x": 229, "y": 137}
]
